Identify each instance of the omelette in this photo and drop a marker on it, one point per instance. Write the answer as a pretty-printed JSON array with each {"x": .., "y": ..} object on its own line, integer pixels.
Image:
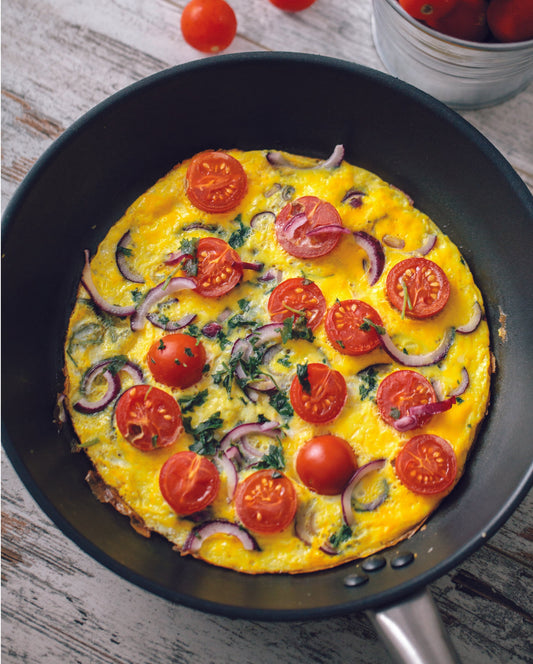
[{"x": 276, "y": 362}]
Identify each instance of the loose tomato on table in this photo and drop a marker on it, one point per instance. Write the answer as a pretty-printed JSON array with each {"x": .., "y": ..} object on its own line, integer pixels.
[
  {"x": 351, "y": 327},
  {"x": 300, "y": 297},
  {"x": 467, "y": 20},
  {"x": 400, "y": 391},
  {"x": 208, "y": 25},
  {"x": 426, "y": 464},
  {"x": 177, "y": 360},
  {"x": 219, "y": 267},
  {"x": 319, "y": 395},
  {"x": 422, "y": 9},
  {"x": 188, "y": 482},
  {"x": 266, "y": 501},
  {"x": 292, "y": 5},
  {"x": 325, "y": 464},
  {"x": 298, "y": 227},
  {"x": 216, "y": 181},
  {"x": 148, "y": 417},
  {"x": 417, "y": 287},
  {"x": 511, "y": 20}
]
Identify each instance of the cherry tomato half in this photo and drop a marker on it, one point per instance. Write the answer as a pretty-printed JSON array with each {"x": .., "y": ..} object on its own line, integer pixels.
[
  {"x": 298, "y": 297},
  {"x": 208, "y": 25},
  {"x": 266, "y": 501},
  {"x": 417, "y": 287},
  {"x": 219, "y": 267},
  {"x": 292, "y": 5},
  {"x": 148, "y": 417},
  {"x": 423, "y": 9},
  {"x": 189, "y": 482},
  {"x": 511, "y": 20},
  {"x": 216, "y": 181},
  {"x": 347, "y": 330},
  {"x": 426, "y": 464},
  {"x": 400, "y": 391},
  {"x": 326, "y": 464},
  {"x": 302, "y": 215},
  {"x": 467, "y": 20},
  {"x": 177, "y": 360},
  {"x": 320, "y": 396}
]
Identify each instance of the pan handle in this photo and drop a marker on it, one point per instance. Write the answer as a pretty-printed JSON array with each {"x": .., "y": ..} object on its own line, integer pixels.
[{"x": 413, "y": 633}]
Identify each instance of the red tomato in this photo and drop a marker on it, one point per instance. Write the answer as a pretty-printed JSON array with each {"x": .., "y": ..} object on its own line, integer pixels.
[
  {"x": 216, "y": 181},
  {"x": 347, "y": 329},
  {"x": 324, "y": 397},
  {"x": 418, "y": 288},
  {"x": 189, "y": 482},
  {"x": 467, "y": 20},
  {"x": 426, "y": 464},
  {"x": 299, "y": 297},
  {"x": 148, "y": 417},
  {"x": 325, "y": 464},
  {"x": 177, "y": 360},
  {"x": 219, "y": 267},
  {"x": 292, "y": 5},
  {"x": 266, "y": 501},
  {"x": 208, "y": 25},
  {"x": 422, "y": 9},
  {"x": 400, "y": 391},
  {"x": 298, "y": 217},
  {"x": 511, "y": 20}
]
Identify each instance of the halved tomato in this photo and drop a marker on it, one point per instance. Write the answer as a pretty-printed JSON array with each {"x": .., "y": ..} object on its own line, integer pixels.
[
  {"x": 148, "y": 417},
  {"x": 351, "y": 327},
  {"x": 216, "y": 181},
  {"x": 400, "y": 391},
  {"x": 219, "y": 267},
  {"x": 298, "y": 227},
  {"x": 266, "y": 501},
  {"x": 189, "y": 482},
  {"x": 426, "y": 464},
  {"x": 300, "y": 297},
  {"x": 418, "y": 287},
  {"x": 319, "y": 396}
]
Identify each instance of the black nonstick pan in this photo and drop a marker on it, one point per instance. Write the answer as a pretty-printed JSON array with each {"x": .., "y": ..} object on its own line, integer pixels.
[{"x": 303, "y": 104}]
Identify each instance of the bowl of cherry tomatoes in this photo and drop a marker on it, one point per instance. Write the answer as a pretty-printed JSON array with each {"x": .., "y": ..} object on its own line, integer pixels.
[{"x": 466, "y": 53}]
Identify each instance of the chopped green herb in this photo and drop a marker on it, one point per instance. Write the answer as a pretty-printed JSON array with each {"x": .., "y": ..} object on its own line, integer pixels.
[
  {"x": 161, "y": 345},
  {"x": 136, "y": 295},
  {"x": 395, "y": 413},
  {"x": 367, "y": 324},
  {"x": 281, "y": 403},
  {"x": 273, "y": 458},
  {"x": 154, "y": 440},
  {"x": 238, "y": 237},
  {"x": 189, "y": 403},
  {"x": 406, "y": 299},
  {"x": 126, "y": 251},
  {"x": 89, "y": 443},
  {"x": 204, "y": 439},
  {"x": 302, "y": 372},
  {"x": 188, "y": 351},
  {"x": 368, "y": 383},
  {"x": 341, "y": 536}
]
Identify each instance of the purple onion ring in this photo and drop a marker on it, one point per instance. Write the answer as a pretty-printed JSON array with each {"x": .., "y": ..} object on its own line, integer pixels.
[
  {"x": 122, "y": 264},
  {"x": 200, "y": 533},
  {"x": 375, "y": 254},
  {"x": 346, "y": 498}
]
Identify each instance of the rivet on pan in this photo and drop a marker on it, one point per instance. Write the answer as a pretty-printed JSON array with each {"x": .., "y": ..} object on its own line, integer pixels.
[
  {"x": 354, "y": 580},
  {"x": 402, "y": 559},
  {"x": 374, "y": 564}
]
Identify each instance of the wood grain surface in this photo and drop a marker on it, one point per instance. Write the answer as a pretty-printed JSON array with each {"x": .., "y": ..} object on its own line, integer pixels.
[{"x": 59, "y": 59}]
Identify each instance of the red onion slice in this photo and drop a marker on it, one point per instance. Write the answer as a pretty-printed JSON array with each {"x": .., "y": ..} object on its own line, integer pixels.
[
  {"x": 304, "y": 524},
  {"x": 463, "y": 385},
  {"x": 257, "y": 267},
  {"x": 293, "y": 224},
  {"x": 271, "y": 429},
  {"x": 200, "y": 533},
  {"x": 354, "y": 198},
  {"x": 474, "y": 321},
  {"x": 171, "y": 325},
  {"x": 122, "y": 264},
  {"x": 417, "y": 415},
  {"x": 422, "y": 360},
  {"x": 211, "y": 329},
  {"x": 230, "y": 471},
  {"x": 88, "y": 283},
  {"x": 155, "y": 295},
  {"x": 176, "y": 257},
  {"x": 375, "y": 254},
  {"x": 83, "y": 405},
  {"x": 427, "y": 245},
  {"x": 276, "y": 158},
  {"x": 328, "y": 229},
  {"x": 346, "y": 498},
  {"x": 260, "y": 217},
  {"x": 271, "y": 275}
]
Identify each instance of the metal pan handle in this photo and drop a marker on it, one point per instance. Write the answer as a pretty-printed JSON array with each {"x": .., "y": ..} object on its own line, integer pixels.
[{"x": 413, "y": 633}]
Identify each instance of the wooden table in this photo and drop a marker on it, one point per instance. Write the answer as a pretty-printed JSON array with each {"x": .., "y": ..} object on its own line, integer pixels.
[{"x": 60, "y": 58}]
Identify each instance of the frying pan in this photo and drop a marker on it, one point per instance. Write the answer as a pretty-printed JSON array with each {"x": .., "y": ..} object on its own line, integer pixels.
[{"x": 304, "y": 104}]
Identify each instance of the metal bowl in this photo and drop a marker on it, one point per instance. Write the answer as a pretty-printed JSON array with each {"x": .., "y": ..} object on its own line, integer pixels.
[{"x": 462, "y": 74}]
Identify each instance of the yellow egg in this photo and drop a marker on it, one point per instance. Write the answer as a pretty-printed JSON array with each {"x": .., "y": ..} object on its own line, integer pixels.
[{"x": 157, "y": 224}]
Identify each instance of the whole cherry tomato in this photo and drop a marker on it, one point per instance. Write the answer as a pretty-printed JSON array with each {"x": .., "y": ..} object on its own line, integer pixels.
[
  {"x": 292, "y": 5},
  {"x": 423, "y": 9},
  {"x": 325, "y": 464},
  {"x": 467, "y": 20},
  {"x": 208, "y": 25},
  {"x": 177, "y": 360},
  {"x": 188, "y": 482},
  {"x": 511, "y": 20}
]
